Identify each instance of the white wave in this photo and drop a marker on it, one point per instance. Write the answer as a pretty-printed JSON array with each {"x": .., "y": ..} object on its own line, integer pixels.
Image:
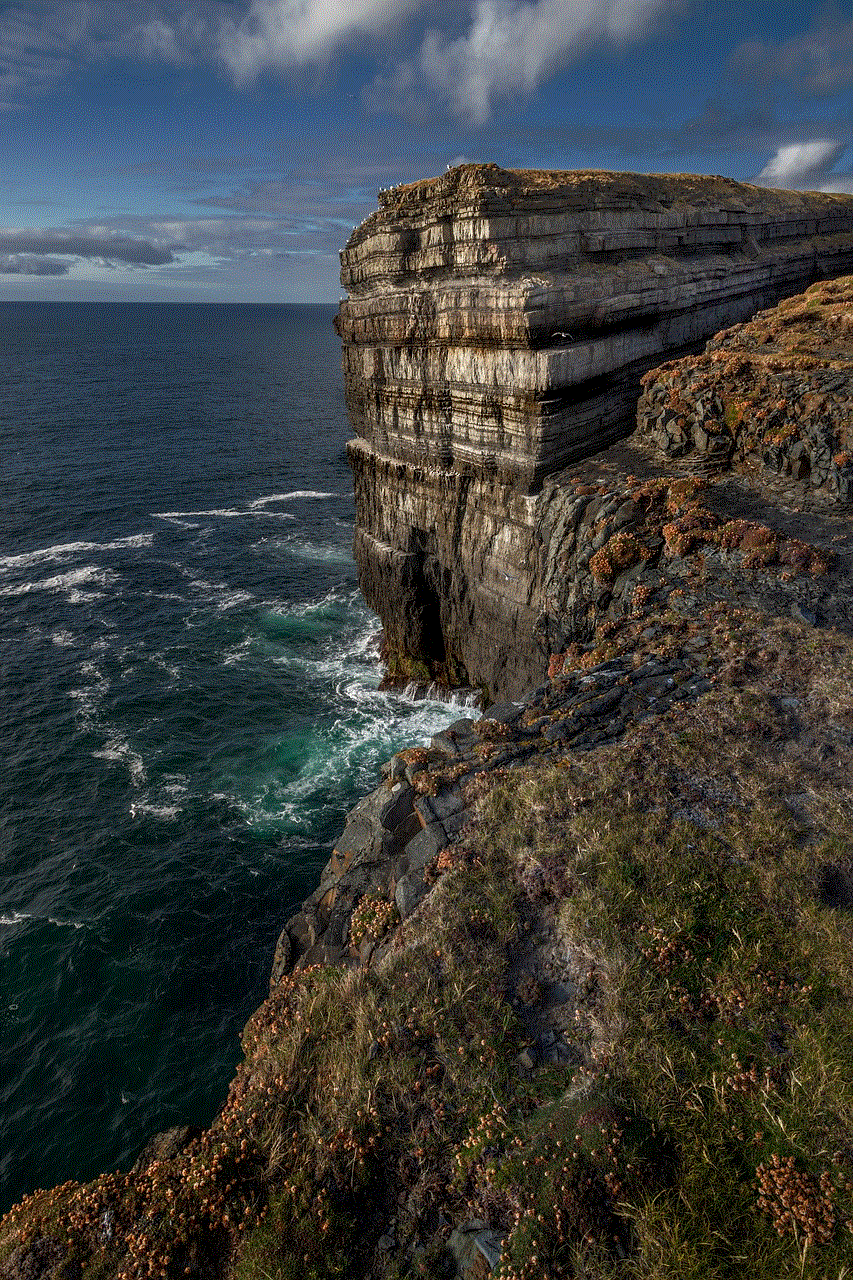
[
  {"x": 182, "y": 524},
  {"x": 273, "y": 810},
  {"x": 90, "y": 695},
  {"x": 230, "y": 600},
  {"x": 117, "y": 750},
  {"x": 167, "y": 812},
  {"x": 162, "y": 595},
  {"x": 63, "y": 639},
  {"x": 18, "y": 917},
  {"x": 369, "y": 727},
  {"x": 219, "y": 594},
  {"x": 335, "y": 607},
  {"x": 290, "y": 497},
  {"x": 460, "y": 700},
  {"x": 238, "y": 653},
  {"x": 365, "y": 646},
  {"x": 225, "y": 512},
  {"x": 309, "y": 608},
  {"x": 175, "y": 784},
  {"x": 338, "y": 670},
  {"x": 217, "y": 513},
  {"x": 316, "y": 552},
  {"x": 87, "y": 701},
  {"x": 64, "y": 549},
  {"x": 70, "y": 582}
]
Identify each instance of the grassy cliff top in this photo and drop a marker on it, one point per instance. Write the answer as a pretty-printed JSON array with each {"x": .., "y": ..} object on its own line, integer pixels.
[{"x": 601, "y": 186}]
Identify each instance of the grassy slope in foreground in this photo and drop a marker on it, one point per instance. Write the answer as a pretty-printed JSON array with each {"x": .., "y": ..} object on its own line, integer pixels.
[{"x": 694, "y": 880}]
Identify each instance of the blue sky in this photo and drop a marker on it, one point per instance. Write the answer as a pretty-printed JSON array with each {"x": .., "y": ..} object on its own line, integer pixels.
[{"x": 222, "y": 151}]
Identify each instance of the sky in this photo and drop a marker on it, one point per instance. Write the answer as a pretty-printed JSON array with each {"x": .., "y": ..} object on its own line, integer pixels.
[{"x": 223, "y": 150}]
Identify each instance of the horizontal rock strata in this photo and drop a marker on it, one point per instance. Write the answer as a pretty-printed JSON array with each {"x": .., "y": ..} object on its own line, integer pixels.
[
  {"x": 496, "y": 331},
  {"x": 499, "y": 321},
  {"x": 532, "y": 576}
]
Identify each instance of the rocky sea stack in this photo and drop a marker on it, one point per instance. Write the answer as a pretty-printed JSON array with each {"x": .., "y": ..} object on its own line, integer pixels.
[{"x": 573, "y": 997}]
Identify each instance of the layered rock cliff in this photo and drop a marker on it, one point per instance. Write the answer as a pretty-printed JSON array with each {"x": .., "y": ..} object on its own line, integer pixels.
[
  {"x": 496, "y": 331},
  {"x": 574, "y": 993}
]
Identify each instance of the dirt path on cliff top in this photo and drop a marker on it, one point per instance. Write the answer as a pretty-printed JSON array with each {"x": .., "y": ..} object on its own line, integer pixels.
[{"x": 787, "y": 506}]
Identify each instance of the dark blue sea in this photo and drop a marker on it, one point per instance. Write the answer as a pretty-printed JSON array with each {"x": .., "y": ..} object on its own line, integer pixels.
[{"x": 188, "y": 702}]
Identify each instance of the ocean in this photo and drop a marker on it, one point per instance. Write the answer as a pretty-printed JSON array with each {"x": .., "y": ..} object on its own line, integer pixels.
[{"x": 189, "y": 703}]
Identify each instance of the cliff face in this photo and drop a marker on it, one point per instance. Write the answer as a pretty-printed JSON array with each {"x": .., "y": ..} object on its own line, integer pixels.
[
  {"x": 573, "y": 995},
  {"x": 496, "y": 330}
]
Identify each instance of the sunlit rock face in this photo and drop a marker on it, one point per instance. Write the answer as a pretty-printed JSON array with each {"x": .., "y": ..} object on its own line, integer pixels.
[{"x": 495, "y": 331}]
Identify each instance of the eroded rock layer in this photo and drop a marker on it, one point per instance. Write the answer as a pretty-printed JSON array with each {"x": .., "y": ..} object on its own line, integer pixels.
[
  {"x": 499, "y": 320},
  {"x": 777, "y": 391},
  {"x": 496, "y": 331}
]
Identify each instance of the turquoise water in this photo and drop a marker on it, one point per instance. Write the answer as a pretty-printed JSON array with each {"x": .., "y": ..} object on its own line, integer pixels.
[{"x": 189, "y": 702}]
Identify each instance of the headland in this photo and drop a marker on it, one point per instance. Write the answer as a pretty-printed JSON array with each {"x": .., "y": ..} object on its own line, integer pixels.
[{"x": 573, "y": 995}]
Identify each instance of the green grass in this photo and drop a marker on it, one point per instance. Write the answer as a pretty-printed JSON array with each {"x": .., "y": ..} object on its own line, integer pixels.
[
  {"x": 704, "y": 1126},
  {"x": 724, "y": 1025}
]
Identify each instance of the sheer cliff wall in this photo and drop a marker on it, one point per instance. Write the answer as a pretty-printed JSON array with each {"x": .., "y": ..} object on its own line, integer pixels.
[{"x": 495, "y": 332}]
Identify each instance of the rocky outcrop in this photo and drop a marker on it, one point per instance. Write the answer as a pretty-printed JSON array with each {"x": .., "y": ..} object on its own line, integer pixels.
[
  {"x": 638, "y": 571},
  {"x": 496, "y": 330},
  {"x": 776, "y": 392},
  {"x": 389, "y": 854}
]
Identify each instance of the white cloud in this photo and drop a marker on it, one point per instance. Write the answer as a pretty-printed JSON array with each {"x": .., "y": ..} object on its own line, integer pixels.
[
  {"x": 222, "y": 235},
  {"x": 23, "y": 266},
  {"x": 806, "y": 166},
  {"x": 154, "y": 41},
  {"x": 281, "y": 34},
  {"x": 40, "y": 41},
  {"x": 84, "y": 242},
  {"x": 512, "y": 47},
  {"x": 630, "y": 19},
  {"x": 35, "y": 47},
  {"x": 401, "y": 93},
  {"x": 509, "y": 47},
  {"x": 170, "y": 32}
]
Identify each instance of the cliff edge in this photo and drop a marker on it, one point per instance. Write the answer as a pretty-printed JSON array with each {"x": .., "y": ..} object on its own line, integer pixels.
[{"x": 496, "y": 330}]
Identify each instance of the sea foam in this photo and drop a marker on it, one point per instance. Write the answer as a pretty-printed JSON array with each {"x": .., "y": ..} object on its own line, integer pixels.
[
  {"x": 62, "y": 550},
  {"x": 290, "y": 497},
  {"x": 89, "y": 576}
]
